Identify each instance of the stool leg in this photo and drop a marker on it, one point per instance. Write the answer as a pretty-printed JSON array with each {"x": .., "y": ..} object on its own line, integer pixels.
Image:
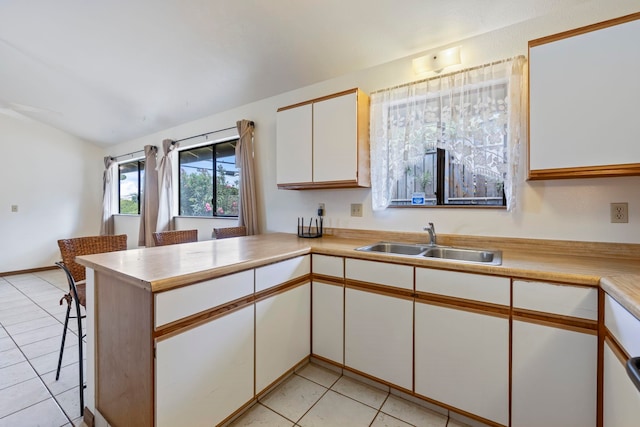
[
  {"x": 64, "y": 336},
  {"x": 80, "y": 362}
]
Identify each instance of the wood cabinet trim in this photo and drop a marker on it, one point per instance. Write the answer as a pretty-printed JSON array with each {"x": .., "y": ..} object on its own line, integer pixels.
[
  {"x": 630, "y": 169},
  {"x": 472, "y": 306},
  {"x": 322, "y": 98},
  {"x": 284, "y": 287},
  {"x": 198, "y": 319},
  {"x": 584, "y": 30},
  {"x": 617, "y": 349},
  {"x": 556, "y": 321},
  {"x": 380, "y": 289},
  {"x": 327, "y": 280}
]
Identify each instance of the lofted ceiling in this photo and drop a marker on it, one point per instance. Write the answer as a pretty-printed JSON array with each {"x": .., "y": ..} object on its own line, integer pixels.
[{"x": 112, "y": 70}]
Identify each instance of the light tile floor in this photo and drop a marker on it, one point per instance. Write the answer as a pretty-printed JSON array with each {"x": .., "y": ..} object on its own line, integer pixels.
[
  {"x": 318, "y": 397},
  {"x": 31, "y": 324}
]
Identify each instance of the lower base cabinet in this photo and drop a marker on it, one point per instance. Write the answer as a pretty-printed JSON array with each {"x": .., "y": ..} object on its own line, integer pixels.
[
  {"x": 379, "y": 336},
  {"x": 283, "y": 335},
  {"x": 554, "y": 376},
  {"x": 621, "y": 398},
  {"x": 328, "y": 321},
  {"x": 205, "y": 373},
  {"x": 462, "y": 360}
]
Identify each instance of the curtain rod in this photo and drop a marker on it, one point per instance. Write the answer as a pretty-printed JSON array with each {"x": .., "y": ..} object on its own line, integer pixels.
[
  {"x": 448, "y": 74},
  {"x": 180, "y": 140},
  {"x": 209, "y": 133},
  {"x": 127, "y": 154}
]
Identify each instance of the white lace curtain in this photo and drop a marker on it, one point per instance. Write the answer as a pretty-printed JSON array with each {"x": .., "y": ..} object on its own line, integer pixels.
[{"x": 468, "y": 113}]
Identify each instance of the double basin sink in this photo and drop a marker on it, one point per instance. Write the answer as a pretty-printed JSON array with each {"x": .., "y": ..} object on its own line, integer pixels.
[{"x": 478, "y": 256}]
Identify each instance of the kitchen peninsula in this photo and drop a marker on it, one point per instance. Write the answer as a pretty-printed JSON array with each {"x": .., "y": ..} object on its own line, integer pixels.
[{"x": 196, "y": 332}]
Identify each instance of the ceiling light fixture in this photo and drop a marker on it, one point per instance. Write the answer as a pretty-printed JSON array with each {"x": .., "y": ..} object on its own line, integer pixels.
[{"x": 437, "y": 61}]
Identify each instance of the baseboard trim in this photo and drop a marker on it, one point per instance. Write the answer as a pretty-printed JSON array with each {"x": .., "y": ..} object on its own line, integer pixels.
[{"x": 29, "y": 270}]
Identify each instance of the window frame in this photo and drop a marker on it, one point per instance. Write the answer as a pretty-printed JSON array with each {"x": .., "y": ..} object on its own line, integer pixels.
[
  {"x": 442, "y": 169},
  {"x": 214, "y": 201},
  {"x": 140, "y": 164}
]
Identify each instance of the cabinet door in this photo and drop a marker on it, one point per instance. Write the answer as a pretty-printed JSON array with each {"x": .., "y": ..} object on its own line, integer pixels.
[
  {"x": 335, "y": 156},
  {"x": 462, "y": 359},
  {"x": 621, "y": 398},
  {"x": 204, "y": 374},
  {"x": 328, "y": 321},
  {"x": 282, "y": 333},
  {"x": 554, "y": 376},
  {"x": 379, "y": 336},
  {"x": 293, "y": 145}
]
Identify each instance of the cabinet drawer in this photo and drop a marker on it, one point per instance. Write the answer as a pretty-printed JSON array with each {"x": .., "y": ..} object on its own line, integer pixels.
[
  {"x": 475, "y": 287},
  {"x": 399, "y": 276},
  {"x": 328, "y": 265},
  {"x": 624, "y": 326},
  {"x": 574, "y": 301},
  {"x": 182, "y": 302},
  {"x": 281, "y": 272}
]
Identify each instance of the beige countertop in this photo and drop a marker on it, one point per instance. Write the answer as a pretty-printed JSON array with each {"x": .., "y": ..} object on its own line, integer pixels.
[{"x": 162, "y": 268}]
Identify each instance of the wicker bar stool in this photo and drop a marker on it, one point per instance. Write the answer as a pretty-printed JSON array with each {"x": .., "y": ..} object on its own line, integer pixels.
[
  {"x": 76, "y": 276},
  {"x": 225, "y": 232},
  {"x": 162, "y": 238}
]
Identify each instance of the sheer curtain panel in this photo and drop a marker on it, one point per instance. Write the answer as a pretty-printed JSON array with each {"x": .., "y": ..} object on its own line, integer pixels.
[
  {"x": 149, "y": 197},
  {"x": 475, "y": 115},
  {"x": 247, "y": 212},
  {"x": 165, "y": 196},
  {"x": 106, "y": 226}
]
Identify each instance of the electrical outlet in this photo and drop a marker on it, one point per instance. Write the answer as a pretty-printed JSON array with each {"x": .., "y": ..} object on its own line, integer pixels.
[
  {"x": 321, "y": 211},
  {"x": 619, "y": 212},
  {"x": 356, "y": 209},
  {"x": 14, "y": 208}
]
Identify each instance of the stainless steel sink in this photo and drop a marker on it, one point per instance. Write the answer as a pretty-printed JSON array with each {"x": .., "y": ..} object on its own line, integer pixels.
[
  {"x": 479, "y": 256},
  {"x": 394, "y": 248},
  {"x": 468, "y": 255}
]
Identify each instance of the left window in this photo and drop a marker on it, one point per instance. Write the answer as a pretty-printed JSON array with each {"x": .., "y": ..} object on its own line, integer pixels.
[{"x": 130, "y": 186}]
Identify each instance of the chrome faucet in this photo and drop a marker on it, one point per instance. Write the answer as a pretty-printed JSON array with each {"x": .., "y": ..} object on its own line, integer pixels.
[{"x": 432, "y": 234}]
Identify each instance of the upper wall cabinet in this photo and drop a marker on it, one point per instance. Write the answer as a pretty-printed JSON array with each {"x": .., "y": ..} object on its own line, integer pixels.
[
  {"x": 324, "y": 142},
  {"x": 583, "y": 101}
]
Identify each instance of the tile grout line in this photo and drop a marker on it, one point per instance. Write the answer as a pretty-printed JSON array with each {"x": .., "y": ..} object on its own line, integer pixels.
[{"x": 51, "y": 395}]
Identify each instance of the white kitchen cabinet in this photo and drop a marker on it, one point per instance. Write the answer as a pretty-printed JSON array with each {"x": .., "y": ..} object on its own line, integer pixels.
[
  {"x": 282, "y": 333},
  {"x": 380, "y": 273},
  {"x": 566, "y": 131},
  {"x": 554, "y": 373},
  {"x": 462, "y": 354},
  {"x": 462, "y": 359},
  {"x": 205, "y": 373},
  {"x": 554, "y": 364},
  {"x": 294, "y": 153},
  {"x": 324, "y": 143},
  {"x": 621, "y": 399},
  {"x": 327, "y": 308},
  {"x": 379, "y": 336}
]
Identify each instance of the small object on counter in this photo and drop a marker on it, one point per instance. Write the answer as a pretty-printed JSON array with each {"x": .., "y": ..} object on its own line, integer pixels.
[{"x": 309, "y": 232}]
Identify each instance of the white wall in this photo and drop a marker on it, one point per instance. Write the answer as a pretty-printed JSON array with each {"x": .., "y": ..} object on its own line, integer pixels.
[
  {"x": 567, "y": 210},
  {"x": 55, "y": 180}
]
